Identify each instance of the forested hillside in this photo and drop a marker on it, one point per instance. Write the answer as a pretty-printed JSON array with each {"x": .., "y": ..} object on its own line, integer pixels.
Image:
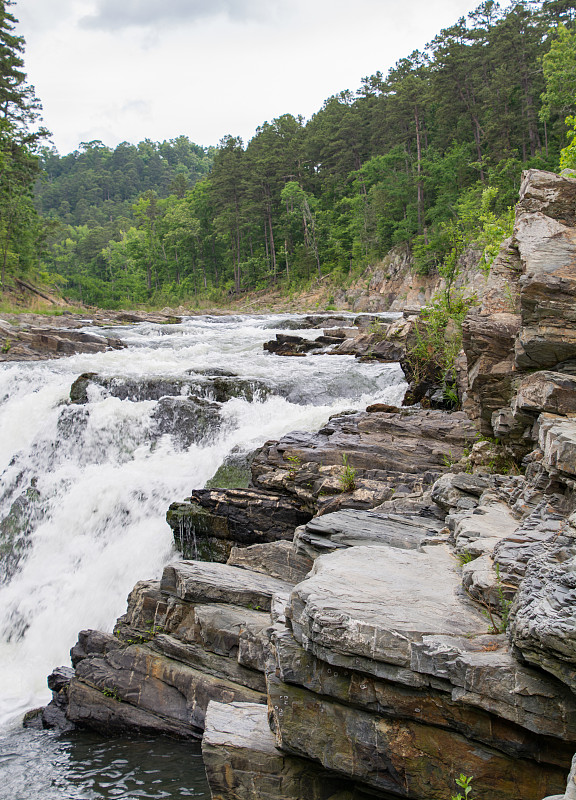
[
  {"x": 429, "y": 155},
  {"x": 21, "y": 231}
]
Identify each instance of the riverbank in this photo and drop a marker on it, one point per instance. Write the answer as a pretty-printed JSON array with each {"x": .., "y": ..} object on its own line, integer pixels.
[
  {"x": 388, "y": 604},
  {"x": 51, "y": 329}
]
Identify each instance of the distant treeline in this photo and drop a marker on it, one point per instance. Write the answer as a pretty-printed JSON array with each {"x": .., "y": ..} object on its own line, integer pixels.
[{"x": 429, "y": 155}]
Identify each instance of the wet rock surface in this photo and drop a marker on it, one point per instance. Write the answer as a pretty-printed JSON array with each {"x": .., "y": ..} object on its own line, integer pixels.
[
  {"x": 372, "y": 339},
  {"x": 216, "y": 388},
  {"x": 215, "y": 520}
]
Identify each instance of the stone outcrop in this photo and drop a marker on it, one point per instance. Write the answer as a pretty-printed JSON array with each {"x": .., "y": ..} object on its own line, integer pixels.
[
  {"x": 389, "y": 453},
  {"x": 349, "y": 528},
  {"x": 377, "y": 341},
  {"x": 35, "y": 337},
  {"x": 521, "y": 344},
  {"x": 401, "y": 699},
  {"x": 394, "y": 285},
  {"x": 243, "y": 762},
  {"x": 216, "y": 385},
  {"x": 197, "y": 635},
  {"x": 213, "y": 521},
  {"x": 380, "y": 673},
  {"x": 38, "y": 343}
]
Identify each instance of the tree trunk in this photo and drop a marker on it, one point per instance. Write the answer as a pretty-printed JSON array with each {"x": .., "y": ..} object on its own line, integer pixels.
[{"x": 420, "y": 187}]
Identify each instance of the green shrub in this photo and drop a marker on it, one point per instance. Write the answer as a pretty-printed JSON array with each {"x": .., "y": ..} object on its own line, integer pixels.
[{"x": 348, "y": 476}]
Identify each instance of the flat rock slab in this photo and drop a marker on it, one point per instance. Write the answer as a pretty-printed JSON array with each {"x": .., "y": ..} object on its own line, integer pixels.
[
  {"x": 205, "y": 582},
  {"x": 351, "y": 528},
  {"x": 374, "y": 602},
  {"x": 277, "y": 559},
  {"x": 479, "y": 531}
]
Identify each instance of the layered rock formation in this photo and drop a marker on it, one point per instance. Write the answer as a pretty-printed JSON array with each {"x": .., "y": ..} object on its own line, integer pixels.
[{"x": 525, "y": 331}]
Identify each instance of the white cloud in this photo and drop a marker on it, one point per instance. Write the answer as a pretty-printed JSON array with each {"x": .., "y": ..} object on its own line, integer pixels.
[
  {"x": 160, "y": 68},
  {"x": 112, "y": 15}
]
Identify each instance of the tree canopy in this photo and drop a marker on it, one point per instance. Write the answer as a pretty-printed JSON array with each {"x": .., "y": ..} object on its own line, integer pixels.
[{"x": 427, "y": 157}]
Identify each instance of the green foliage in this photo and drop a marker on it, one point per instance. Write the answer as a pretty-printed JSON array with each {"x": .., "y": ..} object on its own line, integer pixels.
[
  {"x": 348, "y": 476},
  {"x": 7, "y": 346},
  {"x": 464, "y": 782},
  {"x": 438, "y": 340},
  {"x": 559, "y": 66},
  {"x": 294, "y": 462},
  {"x": 428, "y": 156},
  {"x": 568, "y": 153},
  {"x": 113, "y": 693},
  {"x": 465, "y": 558},
  {"x": 475, "y": 224},
  {"x": 559, "y": 98}
]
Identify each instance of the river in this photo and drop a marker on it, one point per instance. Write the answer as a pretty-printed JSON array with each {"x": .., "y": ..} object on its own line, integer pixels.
[{"x": 84, "y": 490}]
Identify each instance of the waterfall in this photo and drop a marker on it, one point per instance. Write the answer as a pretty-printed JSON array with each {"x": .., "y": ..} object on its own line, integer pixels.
[{"x": 85, "y": 486}]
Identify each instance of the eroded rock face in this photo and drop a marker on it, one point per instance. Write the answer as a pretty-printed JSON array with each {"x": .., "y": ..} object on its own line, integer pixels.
[
  {"x": 549, "y": 392},
  {"x": 404, "y": 698},
  {"x": 243, "y": 762},
  {"x": 488, "y": 341},
  {"x": 216, "y": 520},
  {"x": 535, "y": 277},
  {"x": 545, "y": 237},
  {"x": 543, "y": 621},
  {"x": 389, "y": 453},
  {"x": 557, "y": 439}
]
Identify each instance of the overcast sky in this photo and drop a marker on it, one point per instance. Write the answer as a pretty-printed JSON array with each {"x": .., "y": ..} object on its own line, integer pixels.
[{"x": 126, "y": 70}]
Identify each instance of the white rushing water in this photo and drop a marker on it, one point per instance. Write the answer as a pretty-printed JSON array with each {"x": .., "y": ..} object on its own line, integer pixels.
[{"x": 84, "y": 489}]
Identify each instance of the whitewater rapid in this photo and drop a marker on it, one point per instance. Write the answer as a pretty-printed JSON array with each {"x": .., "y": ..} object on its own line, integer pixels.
[{"x": 84, "y": 489}]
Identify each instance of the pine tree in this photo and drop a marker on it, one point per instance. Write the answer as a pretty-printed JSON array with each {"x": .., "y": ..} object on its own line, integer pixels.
[{"x": 19, "y": 109}]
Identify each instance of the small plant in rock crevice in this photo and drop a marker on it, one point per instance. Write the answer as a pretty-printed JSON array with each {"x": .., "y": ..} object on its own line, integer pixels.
[
  {"x": 465, "y": 557},
  {"x": 153, "y": 628},
  {"x": 348, "y": 476},
  {"x": 498, "y": 616},
  {"x": 294, "y": 462},
  {"x": 112, "y": 692},
  {"x": 464, "y": 782}
]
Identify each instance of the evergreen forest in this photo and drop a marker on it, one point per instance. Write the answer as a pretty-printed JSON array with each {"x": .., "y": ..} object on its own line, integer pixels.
[{"x": 427, "y": 157}]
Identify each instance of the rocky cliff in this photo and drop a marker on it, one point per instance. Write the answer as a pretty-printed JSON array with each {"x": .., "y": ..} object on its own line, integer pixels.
[{"x": 391, "y": 602}]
